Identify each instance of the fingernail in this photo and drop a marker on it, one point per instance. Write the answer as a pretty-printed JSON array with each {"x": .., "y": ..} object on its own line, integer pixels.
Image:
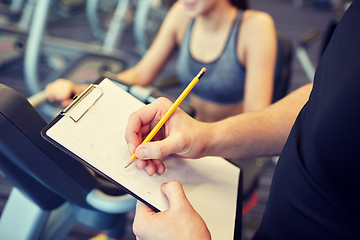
[
  {"x": 143, "y": 153},
  {"x": 131, "y": 148}
]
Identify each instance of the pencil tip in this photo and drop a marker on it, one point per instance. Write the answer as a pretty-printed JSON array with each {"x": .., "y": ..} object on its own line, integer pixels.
[
  {"x": 129, "y": 163},
  {"x": 132, "y": 159}
]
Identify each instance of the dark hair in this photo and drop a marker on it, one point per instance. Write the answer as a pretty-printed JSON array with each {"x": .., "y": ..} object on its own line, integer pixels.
[{"x": 241, "y": 4}]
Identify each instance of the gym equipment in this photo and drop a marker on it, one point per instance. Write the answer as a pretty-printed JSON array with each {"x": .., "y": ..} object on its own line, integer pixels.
[
  {"x": 13, "y": 30},
  {"x": 313, "y": 35},
  {"x": 147, "y": 20},
  {"x": 72, "y": 50},
  {"x": 52, "y": 191},
  {"x": 88, "y": 61}
]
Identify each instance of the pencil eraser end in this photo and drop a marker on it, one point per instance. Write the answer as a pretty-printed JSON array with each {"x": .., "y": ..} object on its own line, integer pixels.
[{"x": 204, "y": 70}]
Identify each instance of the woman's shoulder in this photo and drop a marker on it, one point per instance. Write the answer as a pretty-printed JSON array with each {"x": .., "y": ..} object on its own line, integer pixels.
[
  {"x": 255, "y": 27},
  {"x": 178, "y": 14},
  {"x": 178, "y": 20},
  {"x": 254, "y": 19}
]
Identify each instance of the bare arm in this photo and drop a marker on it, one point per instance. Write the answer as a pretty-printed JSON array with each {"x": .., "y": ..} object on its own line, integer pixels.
[
  {"x": 258, "y": 55},
  {"x": 251, "y": 134},
  {"x": 145, "y": 71},
  {"x": 261, "y": 133}
]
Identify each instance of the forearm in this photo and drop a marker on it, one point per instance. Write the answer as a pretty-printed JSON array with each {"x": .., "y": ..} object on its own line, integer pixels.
[
  {"x": 132, "y": 76},
  {"x": 255, "y": 134},
  {"x": 77, "y": 89},
  {"x": 150, "y": 65},
  {"x": 144, "y": 72}
]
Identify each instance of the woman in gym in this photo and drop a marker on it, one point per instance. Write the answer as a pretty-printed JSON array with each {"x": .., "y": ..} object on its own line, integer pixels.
[{"x": 236, "y": 45}]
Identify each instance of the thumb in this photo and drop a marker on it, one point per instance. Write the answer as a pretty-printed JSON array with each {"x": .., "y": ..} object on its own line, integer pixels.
[
  {"x": 175, "y": 193},
  {"x": 159, "y": 149}
]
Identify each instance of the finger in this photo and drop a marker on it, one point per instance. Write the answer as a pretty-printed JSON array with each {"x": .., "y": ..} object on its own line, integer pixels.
[
  {"x": 49, "y": 93},
  {"x": 145, "y": 129},
  {"x": 138, "y": 126},
  {"x": 146, "y": 114},
  {"x": 142, "y": 120},
  {"x": 160, "y": 166},
  {"x": 150, "y": 168},
  {"x": 141, "y": 163},
  {"x": 173, "y": 144},
  {"x": 66, "y": 102},
  {"x": 175, "y": 193},
  {"x": 50, "y": 98},
  {"x": 132, "y": 133}
]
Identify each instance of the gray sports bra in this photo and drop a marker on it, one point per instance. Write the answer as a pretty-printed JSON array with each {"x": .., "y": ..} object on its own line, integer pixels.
[{"x": 224, "y": 80}]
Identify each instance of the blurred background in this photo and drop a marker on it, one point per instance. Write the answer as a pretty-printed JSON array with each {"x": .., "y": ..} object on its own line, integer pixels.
[{"x": 81, "y": 40}]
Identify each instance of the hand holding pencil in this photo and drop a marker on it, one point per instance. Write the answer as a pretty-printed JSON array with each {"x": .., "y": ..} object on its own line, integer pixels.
[{"x": 167, "y": 114}]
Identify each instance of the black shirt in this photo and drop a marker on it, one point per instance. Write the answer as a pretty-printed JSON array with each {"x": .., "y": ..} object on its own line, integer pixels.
[{"x": 315, "y": 193}]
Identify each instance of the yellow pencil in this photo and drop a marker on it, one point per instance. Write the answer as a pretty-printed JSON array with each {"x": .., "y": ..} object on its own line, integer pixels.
[{"x": 170, "y": 111}]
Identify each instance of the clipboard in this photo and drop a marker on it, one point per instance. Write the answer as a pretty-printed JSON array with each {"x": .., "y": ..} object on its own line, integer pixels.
[{"x": 92, "y": 130}]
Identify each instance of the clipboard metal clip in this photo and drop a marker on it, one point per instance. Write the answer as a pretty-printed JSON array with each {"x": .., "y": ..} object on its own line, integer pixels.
[{"x": 81, "y": 104}]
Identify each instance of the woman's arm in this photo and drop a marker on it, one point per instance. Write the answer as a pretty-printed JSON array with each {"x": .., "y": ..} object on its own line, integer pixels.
[
  {"x": 142, "y": 73},
  {"x": 258, "y": 48},
  {"x": 145, "y": 71}
]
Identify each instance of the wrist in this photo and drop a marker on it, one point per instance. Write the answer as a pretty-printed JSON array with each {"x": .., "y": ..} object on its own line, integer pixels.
[
  {"x": 223, "y": 139},
  {"x": 207, "y": 139}
]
